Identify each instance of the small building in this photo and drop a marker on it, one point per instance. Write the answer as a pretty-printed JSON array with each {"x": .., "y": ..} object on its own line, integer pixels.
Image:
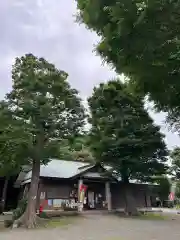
[{"x": 61, "y": 183}]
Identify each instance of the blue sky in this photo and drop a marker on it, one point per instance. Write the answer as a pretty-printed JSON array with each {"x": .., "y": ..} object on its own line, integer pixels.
[{"x": 48, "y": 29}]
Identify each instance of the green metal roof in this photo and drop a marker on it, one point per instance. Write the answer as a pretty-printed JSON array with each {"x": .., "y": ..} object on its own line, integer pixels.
[{"x": 60, "y": 169}]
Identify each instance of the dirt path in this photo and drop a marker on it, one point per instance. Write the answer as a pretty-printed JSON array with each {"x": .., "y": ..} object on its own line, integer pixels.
[{"x": 98, "y": 227}]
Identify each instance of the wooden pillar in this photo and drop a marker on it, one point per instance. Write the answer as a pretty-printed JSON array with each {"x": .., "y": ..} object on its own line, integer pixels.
[
  {"x": 108, "y": 196},
  {"x": 80, "y": 203}
]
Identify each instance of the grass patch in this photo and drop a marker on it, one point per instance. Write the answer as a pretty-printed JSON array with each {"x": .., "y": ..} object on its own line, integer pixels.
[
  {"x": 152, "y": 216},
  {"x": 146, "y": 216},
  {"x": 61, "y": 222}
]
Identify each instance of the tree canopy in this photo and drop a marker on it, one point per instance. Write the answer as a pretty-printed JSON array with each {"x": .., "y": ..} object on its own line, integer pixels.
[
  {"x": 177, "y": 190},
  {"x": 175, "y": 164},
  {"x": 142, "y": 40},
  {"x": 13, "y": 148},
  {"x": 123, "y": 135},
  {"x": 76, "y": 149},
  {"x": 13, "y": 142},
  {"x": 164, "y": 186},
  {"x": 47, "y": 110},
  {"x": 175, "y": 169}
]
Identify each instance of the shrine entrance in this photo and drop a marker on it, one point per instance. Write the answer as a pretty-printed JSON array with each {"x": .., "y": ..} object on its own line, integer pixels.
[{"x": 94, "y": 196}]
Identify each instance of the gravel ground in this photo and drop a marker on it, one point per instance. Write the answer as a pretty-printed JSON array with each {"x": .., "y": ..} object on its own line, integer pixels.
[{"x": 100, "y": 227}]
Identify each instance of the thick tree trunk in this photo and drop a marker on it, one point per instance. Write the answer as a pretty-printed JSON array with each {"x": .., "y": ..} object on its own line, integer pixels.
[
  {"x": 30, "y": 218},
  {"x": 4, "y": 193},
  {"x": 131, "y": 208}
]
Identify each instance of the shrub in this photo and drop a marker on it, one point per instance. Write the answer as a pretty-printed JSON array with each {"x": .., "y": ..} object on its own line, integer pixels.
[{"x": 43, "y": 215}]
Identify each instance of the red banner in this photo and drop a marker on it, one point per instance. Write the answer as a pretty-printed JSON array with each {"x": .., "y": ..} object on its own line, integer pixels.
[
  {"x": 171, "y": 196},
  {"x": 83, "y": 188}
]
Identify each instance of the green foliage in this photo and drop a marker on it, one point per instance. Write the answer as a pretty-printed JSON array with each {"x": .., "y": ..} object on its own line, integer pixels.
[
  {"x": 150, "y": 216},
  {"x": 81, "y": 149},
  {"x": 43, "y": 110},
  {"x": 83, "y": 155},
  {"x": 76, "y": 148},
  {"x": 38, "y": 115},
  {"x": 18, "y": 212},
  {"x": 164, "y": 186},
  {"x": 61, "y": 221},
  {"x": 49, "y": 109},
  {"x": 43, "y": 215},
  {"x": 177, "y": 192},
  {"x": 123, "y": 135},
  {"x": 13, "y": 142},
  {"x": 175, "y": 168},
  {"x": 65, "y": 151},
  {"x": 142, "y": 40}
]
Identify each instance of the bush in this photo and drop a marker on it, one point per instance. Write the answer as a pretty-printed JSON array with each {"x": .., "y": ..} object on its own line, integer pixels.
[
  {"x": 43, "y": 215},
  {"x": 18, "y": 212}
]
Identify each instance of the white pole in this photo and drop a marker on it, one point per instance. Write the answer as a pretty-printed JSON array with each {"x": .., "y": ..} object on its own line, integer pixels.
[{"x": 80, "y": 204}]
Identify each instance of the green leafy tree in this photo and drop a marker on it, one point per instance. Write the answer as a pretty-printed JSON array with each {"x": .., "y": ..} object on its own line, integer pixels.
[
  {"x": 79, "y": 142},
  {"x": 164, "y": 186},
  {"x": 12, "y": 147},
  {"x": 175, "y": 164},
  {"x": 50, "y": 111},
  {"x": 64, "y": 151},
  {"x": 76, "y": 149},
  {"x": 83, "y": 155},
  {"x": 141, "y": 39},
  {"x": 80, "y": 149},
  {"x": 124, "y": 136},
  {"x": 175, "y": 170},
  {"x": 177, "y": 191}
]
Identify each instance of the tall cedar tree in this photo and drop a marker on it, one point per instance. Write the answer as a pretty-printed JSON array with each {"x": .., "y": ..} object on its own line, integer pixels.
[
  {"x": 124, "y": 136},
  {"x": 13, "y": 149},
  {"x": 50, "y": 111},
  {"x": 142, "y": 40}
]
